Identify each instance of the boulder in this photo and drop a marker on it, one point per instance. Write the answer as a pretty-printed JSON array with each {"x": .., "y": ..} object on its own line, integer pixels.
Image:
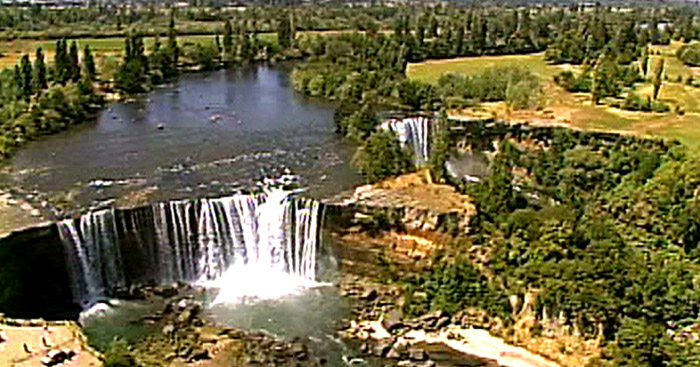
[
  {"x": 199, "y": 354},
  {"x": 392, "y": 321},
  {"x": 57, "y": 356},
  {"x": 442, "y": 322},
  {"x": 395, "y": 352},
  {"x": 381, "y": 349},
  {"x": 166, "y": 291},
  {"x": 417, "y": 354},
  {"x": 369, "y": 295},
  {"x": 168, "y": 329},
  {"x": 299, "y": 351}
]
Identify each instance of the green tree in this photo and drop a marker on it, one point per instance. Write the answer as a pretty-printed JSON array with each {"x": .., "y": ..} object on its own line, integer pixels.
[
  {"x": 62, "y": 63},
  {"x": 74, "y": 62},
  {"x": 285, "y": 33},
  {"x": 381, "y": 157},
  {"x": 27, "y": 86},
  {"x": 173, "y": 49},
  {"x": 658, "y": 77},
  {"x": 39, "y": 71},
  {"x": 228, "y": 40},
  {"x": 89, "y": 64}
]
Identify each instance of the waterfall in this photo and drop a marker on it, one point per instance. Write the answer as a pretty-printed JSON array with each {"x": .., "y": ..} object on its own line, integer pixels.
[
  {"x": 93, "y": 258},
  {"x": 248, "y": 245},
  {"x": 413, "y": 134}
]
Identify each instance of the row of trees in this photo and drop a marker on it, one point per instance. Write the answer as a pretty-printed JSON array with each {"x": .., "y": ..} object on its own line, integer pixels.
[{"x": 36, "y": 100}]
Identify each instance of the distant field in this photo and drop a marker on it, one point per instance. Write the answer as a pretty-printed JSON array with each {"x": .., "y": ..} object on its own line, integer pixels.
[
  {"x": 563, "y": 108},
  {"x": 431, "y": 71},
  {"x": 12, "y": 51}
]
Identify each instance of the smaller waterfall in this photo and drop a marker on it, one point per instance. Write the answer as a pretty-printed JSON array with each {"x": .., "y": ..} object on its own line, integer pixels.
[
  {"x": 413, "y": 133},
  {"x": 260, "y": 246}
]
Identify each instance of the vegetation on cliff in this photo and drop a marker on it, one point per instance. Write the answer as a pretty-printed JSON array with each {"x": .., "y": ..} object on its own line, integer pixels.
[{"x": 603, "y": 228}]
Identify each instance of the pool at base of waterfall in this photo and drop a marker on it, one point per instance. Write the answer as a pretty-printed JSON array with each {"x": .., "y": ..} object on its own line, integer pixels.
[{"x": 312, "y": 316}]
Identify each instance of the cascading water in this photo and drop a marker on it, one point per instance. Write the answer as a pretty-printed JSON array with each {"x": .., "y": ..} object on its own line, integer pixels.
[
  {"x": 93, "y": 257},
  {"x": 248, "y": 246},
  {"x": 413, "y": 133}
]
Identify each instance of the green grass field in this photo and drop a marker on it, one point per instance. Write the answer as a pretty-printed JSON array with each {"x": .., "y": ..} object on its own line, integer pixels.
[
  {"x": 431, "y": 71},
  {"x": 576, "y": 111},
  {"x": 12, "y": 51}
]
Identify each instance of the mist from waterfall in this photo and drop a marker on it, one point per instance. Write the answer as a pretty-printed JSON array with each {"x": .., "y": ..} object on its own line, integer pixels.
[
  {"x": 247, "y": 245},
  {"x": 413, "y": 134}
]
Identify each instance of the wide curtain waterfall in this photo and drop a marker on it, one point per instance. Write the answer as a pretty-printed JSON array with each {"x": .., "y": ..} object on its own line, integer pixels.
[
  {"x": 207, "y": 241},
  {"x": 413, "y": 134}
]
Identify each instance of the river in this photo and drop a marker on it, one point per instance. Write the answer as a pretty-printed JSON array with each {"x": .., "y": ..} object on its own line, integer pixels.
[{"x": 207, "y": 134}]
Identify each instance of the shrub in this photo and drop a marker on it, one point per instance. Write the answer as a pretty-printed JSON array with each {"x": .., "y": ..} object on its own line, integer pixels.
[
  {"x": 119, "y": 355},
  {"x": 382, "y": 157}
]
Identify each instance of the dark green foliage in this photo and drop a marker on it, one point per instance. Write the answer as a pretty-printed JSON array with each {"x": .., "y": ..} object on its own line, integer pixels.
[
  {"x": 517, "y": 87},
  {"x": 74, "y": 62},
  {"x": 285, "y": 31},
  {"x": 381, "y": 157},
  {"x": 606, "y": 228},
  {"x": 689, "y": 54},
  {"x": 40, "y": 82},
  {"x": 633, "y": 102},
  {"x": 26, "y": 84},
  {"x": 572, "y": 83},
  {"x": 132, "y": 76},
  {"x": 62, "y": 71},
  {"x": 89, "y": 64},
  {"x": 451, "y": 286}
]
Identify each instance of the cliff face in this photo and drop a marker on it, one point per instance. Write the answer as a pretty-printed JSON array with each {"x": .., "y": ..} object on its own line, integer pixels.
[{"x": 33, "y": 277}]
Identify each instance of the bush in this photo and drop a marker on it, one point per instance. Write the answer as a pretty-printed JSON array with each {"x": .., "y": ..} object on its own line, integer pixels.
[
  {"x": 689, "y": 54},
  {"x": 119, "y": 355},
  {"x": 569, "y": 81},
  {"x": 382, "y": 157},
  {"x": 451, "y": 286},
  {"x": 633, "y": 102}
]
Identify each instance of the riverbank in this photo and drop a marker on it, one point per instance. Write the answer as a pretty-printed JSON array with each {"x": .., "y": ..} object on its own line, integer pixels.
[{"x": 17, "y": 214}]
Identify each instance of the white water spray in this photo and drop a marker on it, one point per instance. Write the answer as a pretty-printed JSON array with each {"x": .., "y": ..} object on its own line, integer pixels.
[{"x": 248, "y": 246}]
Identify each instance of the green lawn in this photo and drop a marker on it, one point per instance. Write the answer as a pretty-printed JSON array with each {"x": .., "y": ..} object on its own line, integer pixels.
[
  {"x": 431, "y": 71},
  {"x": 579, "y": 113}
]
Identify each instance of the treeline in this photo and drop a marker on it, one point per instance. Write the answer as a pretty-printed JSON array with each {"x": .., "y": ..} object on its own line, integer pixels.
[
  {"x": 37, "y": 100},
  {"x": 140, "y": 68},
  {"x": 604, "y": 229}
]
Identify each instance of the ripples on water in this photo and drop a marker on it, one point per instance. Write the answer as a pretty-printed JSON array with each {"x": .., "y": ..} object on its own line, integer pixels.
[{"x": 208, "y": 134}]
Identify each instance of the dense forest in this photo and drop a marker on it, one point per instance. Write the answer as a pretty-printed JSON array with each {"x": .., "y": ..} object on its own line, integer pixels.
[{"x": 603, "y": 228}]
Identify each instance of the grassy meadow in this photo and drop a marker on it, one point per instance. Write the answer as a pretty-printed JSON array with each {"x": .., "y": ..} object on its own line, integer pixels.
[{"x": 559, "y": 107}]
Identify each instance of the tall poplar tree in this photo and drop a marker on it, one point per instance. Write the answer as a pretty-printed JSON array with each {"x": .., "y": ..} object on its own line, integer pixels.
[{"x": 39, "y": 71}]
